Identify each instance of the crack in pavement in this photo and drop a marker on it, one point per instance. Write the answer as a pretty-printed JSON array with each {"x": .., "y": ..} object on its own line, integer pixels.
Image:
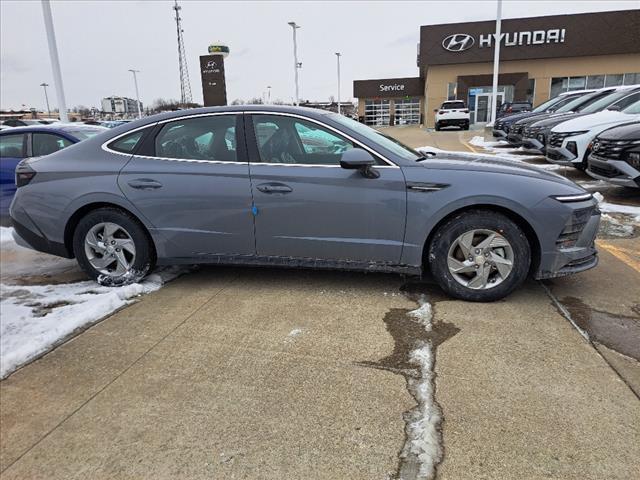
[{"x": 416, "y": 338}]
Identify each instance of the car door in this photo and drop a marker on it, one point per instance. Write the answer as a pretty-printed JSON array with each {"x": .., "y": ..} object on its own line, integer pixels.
[
  {"x": 12, "y": 150},
  {"x": 307, "y": 206},
  {"x": 190, "y": 179}
]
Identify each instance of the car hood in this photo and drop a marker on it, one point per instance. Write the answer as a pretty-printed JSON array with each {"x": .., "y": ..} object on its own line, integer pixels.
[
  {"x": 556, "y": 119},
  {"x": 630, "y": 131},
  {"x": 490, "y": 164},
  {"x": 595, "y": 120}
]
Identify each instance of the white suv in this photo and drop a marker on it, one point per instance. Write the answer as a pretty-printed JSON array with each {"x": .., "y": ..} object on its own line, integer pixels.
[
  {"x": 570, "y": 141},
  {"x": 452, "y": 113}
]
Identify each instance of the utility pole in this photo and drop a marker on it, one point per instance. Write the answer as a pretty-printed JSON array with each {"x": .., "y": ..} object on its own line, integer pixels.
[
  {"x": 296, "y": 65},
  {"x": 135, "y": 81},
  {"x": 338, "y": 54},
  {"x": 185, "y": 85},
  {"x": 496, "y": 62},
  {"x": 55, "y": 61},
  {"x": 46, "y": 97},
  {"x": 268, "y": 94}
]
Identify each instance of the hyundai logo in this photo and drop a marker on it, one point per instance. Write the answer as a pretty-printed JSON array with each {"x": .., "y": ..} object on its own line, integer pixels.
[
  {"x": 596, "y": 146},
  {"x": 211, "y": 64},
  {"x": 458, "y": 42}
]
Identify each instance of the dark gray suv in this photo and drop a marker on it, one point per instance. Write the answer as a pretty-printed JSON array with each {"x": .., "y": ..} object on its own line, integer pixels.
[{"x": 258, "y": 185}]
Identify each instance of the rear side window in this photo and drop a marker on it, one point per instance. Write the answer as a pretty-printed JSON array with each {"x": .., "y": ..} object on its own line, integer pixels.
[
  {"x": 128, "y": 143},
  {"x": 12, "y": 145},
  {"x": 46, "y": 143},
  {"x": 210, "y": 138}
]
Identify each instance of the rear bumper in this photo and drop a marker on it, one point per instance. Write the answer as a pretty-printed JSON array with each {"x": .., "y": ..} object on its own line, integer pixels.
[
  {"x": 453, "y": 122},
  {"x": 26, "y": 234},
  {"x": 617, "y": 172}
]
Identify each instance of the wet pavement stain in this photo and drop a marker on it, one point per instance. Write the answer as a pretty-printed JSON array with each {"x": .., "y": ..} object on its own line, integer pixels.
[
  {"x": 409, "y": 334},
  {"x": 617, "y": 332}
]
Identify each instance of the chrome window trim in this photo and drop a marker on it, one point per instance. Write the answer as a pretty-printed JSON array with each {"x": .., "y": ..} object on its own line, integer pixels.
[{"x": 104, "y": 146}]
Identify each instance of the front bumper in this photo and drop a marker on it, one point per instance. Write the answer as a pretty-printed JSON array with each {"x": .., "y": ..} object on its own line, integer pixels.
[
  {"x": 500, "y": 134},
  {"x": 617, "y": 172},
  {"x": 581, "y": 255},
  {"x": 560, "y": 156},
  {"x": 533, "y": 144},
  {"x": 515, "y": 139}
]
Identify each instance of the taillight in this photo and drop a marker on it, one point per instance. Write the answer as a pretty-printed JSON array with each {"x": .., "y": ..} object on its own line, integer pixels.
[
  {"x": 441, "y": 112},
  {"x": 466, "y": 110},
  {"x": 24, "y": 174}
]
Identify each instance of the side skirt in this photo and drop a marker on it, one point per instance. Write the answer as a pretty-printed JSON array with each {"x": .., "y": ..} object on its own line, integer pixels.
[{"x": 294, "y": 262}]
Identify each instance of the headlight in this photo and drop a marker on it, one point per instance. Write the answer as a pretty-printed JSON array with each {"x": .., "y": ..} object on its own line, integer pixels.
[
  {"x": 577, "y": 197},
  {"x": 633, "y": 159}
]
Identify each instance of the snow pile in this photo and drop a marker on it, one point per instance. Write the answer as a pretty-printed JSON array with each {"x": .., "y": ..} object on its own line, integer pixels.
[
  {"x": 423, "y": 438},
  {"x": 36, "y": 318}
]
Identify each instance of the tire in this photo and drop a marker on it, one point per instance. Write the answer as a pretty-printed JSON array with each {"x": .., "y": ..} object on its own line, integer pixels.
[
  {"x": 131, "y": 243},
  {"x": 453, "y": 237},
  {"x": 437, "y": 127},
  {"x": 466, "y": 126}
]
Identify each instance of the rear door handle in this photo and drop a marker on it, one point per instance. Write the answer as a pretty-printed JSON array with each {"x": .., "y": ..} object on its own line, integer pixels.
[
  {"x": 274, "y": 188},
  {"x": 144, "y": 184}
]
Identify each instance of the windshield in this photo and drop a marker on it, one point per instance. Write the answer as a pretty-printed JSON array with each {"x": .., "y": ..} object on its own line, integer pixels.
[
  {"x": 375, "y": 136},
  {"x": 578, "y": 102},
  {"x": 633, "y": 108},
  {"x": 84, "y": 133},
  {"x": 544, "y": 106},
  {"x": 566, "y": 100},
  {"x": 604, "y": 102}
]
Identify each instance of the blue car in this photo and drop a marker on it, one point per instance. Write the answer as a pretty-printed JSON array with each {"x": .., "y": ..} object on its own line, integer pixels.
[{"x": 33, "y": 141}]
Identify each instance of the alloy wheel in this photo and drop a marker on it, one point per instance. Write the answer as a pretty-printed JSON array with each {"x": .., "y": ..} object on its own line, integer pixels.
[
  {"x": 110, "y": 249},
  {"x": 480, "y": 259}
]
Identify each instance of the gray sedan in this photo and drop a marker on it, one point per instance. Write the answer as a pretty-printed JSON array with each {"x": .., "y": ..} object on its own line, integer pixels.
[{"x": 266, "y": 185}]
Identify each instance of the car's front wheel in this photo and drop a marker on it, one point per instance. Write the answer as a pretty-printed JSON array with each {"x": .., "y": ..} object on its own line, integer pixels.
[
  {"x": 112, "y": 247},
  {"x": 479, "y": 256}
]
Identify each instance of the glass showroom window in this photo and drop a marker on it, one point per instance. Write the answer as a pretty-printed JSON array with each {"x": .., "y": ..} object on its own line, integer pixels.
[
  {"x": 452, "y": 91},
  {"x": 595, "y": 81},
  {"x": 614, "y": 80},
  {"x": 631, "y": 78},
  {"x": 376, "y": 112},
  {"x": 407, "y": 111}
]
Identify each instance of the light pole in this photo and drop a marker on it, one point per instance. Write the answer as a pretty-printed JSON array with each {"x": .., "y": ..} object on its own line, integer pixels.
[
  {"x": 46, "y": 97},
  {"x": 55, "y": 61},
  {"x": 338, "y": 54},
  {"x": 294, "y": 26},
  {"x": 496, "y": 62},
  {"x": 135, "y": 81},
  {"x": 268, "y": 94}
]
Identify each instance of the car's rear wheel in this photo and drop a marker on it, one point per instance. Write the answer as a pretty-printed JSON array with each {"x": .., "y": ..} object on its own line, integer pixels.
[
  {"x": 437, "y": 127},
  {"x": 479, "y": 256},
  {"x": 112, "y": 247}
]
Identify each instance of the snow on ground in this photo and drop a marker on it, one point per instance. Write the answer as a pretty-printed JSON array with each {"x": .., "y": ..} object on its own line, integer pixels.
[
  {"x": 36, "y": 318},
  {"x": 423, "y": 437}
]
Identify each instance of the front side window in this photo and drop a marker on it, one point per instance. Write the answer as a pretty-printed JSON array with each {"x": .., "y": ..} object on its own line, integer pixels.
[
  {"x": 11, "y": 145},
  {"x": 289, "y": 140},
  {"x": 47, "y": 143},
  {"x": 211, "y": 138}
]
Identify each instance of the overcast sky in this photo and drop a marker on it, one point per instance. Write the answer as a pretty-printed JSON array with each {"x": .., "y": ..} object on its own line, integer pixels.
[{"x": 100, "y": 40}]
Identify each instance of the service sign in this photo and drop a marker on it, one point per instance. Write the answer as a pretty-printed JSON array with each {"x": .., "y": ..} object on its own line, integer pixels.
[
  {"x": 389, "y": 88},
  {"x": 214, "y": 90}
]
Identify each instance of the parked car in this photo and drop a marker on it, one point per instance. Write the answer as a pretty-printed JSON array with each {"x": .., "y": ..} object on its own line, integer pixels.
[
  {"x": 502, "y": 126},
  {"x": 26, "y": 122},
  {"x": 515, "y": 135},
  {"x": 201, "y": 186},
  {"x": 17, "y": 143},
  {"x": 536, "y": 132},
  {"x": 452, "y": 114},
  {"x": 509, "y": 108},
  {"x": 569, "y": 142},
  {"x": 615, "y": 155}
]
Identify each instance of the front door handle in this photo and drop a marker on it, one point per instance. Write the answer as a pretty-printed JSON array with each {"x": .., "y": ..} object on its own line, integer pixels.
[
  {"x": 274, "y": 188},
  {"x": 144, "y": 184}
]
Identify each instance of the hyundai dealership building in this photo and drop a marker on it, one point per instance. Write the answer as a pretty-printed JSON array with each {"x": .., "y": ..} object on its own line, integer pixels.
[{"x": 540, "y": 57}]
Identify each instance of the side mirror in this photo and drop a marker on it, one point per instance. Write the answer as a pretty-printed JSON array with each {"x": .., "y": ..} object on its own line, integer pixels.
[
  {"x": 614, "y": 108},
  {"x": 359, "y": 159}
]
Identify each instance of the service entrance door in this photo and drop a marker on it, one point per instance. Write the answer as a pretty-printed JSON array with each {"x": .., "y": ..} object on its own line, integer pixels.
[{"x": 483, "y": 104}]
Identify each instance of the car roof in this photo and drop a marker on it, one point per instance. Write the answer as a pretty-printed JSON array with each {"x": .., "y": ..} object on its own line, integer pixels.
[{"x": 65, "y": 128}]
